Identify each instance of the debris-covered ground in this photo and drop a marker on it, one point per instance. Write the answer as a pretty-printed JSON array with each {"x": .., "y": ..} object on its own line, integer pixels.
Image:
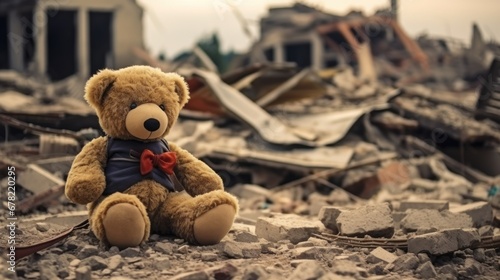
[{"x": 386, "y": 166}]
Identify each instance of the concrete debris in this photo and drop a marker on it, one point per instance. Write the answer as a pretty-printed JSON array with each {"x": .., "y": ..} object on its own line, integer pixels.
[
  {"x": 286, "y": 227},
  {"x": 424, "y": 204},
  {"x": 354, "y": 154},
  {"x": 480, "y": 212},
  {"x": 426, "y": 270},
  {"x": 444, "y": 241},
  {"x": 431, "y": 219},
  {"x": 373, "y": 220},
  {"x": 381, "y": 255}
]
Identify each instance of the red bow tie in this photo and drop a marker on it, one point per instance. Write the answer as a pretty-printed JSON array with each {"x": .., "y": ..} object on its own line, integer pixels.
[{"x": 165, "y": 161}]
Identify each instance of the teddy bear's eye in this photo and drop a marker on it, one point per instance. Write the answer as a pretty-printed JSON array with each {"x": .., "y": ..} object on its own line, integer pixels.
[
  {"x": 133, "y": 106},
  {"x": 162, "y": 107}
]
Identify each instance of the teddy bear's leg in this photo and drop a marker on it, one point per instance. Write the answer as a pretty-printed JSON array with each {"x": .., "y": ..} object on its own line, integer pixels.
[
  {"x": 204, "y": 219},
  {"x": 120, "y": 220}
]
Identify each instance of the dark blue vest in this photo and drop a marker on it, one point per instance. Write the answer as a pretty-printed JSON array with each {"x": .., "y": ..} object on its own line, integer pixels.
[{"x": 123, "y": 168}]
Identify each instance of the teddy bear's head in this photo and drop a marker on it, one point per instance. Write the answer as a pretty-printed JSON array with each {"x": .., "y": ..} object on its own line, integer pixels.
[{"x": 137, "y": 102}]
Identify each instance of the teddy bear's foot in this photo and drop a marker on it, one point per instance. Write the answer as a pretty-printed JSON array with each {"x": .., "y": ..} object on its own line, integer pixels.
[
  {"x": 203, "y": 220},
  {"x": 212, "y": 226},
  {"x": 124, "y": 225},
  {"x": 120, "y": 220}
]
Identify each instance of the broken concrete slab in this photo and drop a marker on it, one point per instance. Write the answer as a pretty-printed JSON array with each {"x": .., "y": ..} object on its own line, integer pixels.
[
  {"x": 444, "y": 241},
  {"x": 424, "y": 204},
  {"x": 480, "y": 212},
  {"x": 286, "y": 227},
  {"x": 404, "y": 263},
  {"x": 373, "y": 220},
  {"x": 380, "y": 254},
  {"x": 428, "y": 219},
  {"x": 328, "y": 216}
]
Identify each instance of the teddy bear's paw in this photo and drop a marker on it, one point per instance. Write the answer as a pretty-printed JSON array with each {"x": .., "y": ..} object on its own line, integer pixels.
[
  {"x": 212, "y": 226},
  {"x": 124, "y": 225}
]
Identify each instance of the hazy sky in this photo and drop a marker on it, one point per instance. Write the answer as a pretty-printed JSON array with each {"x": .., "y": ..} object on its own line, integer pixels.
[{"x": 175, "y": 25}]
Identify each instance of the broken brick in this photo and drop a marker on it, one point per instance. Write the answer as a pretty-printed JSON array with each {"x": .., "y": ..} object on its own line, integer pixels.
[
  {"x": 373, "y": 220},
  {"x": 424, "y": 204},
  {"x": 286, "y": 227},
  {"x": 425, "y": 219},
  {"x": 480, "y": 212},
  {"x": 444, "y": 241}
]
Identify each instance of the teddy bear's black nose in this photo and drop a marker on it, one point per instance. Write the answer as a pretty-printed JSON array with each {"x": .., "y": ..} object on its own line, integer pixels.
[{"x": 151, "y": 124}]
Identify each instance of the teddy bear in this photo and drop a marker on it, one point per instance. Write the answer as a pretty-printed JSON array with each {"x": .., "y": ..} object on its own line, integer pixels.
[{"x": 127, "y": 178}]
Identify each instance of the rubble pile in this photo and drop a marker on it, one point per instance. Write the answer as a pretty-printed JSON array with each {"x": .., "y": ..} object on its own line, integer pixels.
[{"x": 385, "y": 166}]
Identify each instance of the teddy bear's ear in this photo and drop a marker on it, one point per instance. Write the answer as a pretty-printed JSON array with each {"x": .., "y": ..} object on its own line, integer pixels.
[
  {"x": 181, "y": 88},
  {"x": 98, "y": 86}
]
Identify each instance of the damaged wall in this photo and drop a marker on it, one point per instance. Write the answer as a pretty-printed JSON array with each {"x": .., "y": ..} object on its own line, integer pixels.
[{"x": 62, "y": 38}]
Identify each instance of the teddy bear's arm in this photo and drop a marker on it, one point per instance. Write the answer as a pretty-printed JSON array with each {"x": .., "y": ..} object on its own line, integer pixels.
[
  {"x": 196, "y": 177},
  {"x": 86, "y": 180}
]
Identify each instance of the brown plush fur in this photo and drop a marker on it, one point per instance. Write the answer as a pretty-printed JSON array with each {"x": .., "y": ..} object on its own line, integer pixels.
[{"x": 111, "y": 93}]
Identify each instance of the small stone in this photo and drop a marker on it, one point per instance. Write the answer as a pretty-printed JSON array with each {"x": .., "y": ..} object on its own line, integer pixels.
[
  {"x": 295, "y": 263},
  {"x": 480, "y": 212},
  {"x": 47, "y": 272},
  {"x": 115, "y": 262},
  {"x": 442, "y": 242},
  {"x": 74, "y": 263},
  {"x": 406, "y": 262},
  {"x": 154, "y": 237},
  {"x": 42, "y": 227},
  {"x": 62, "y": 273},
  {"x": 162, "y": 263},
  {"x": 426, "y": 270},
  {"x": 305, "y": 253},
  {"x": 178, "y": 241},
  {"x": 164, "y": 247},
  {"x": 377, "y": 269},
  {"x": 94, "y": 262},
  {"x": 87, "y": 251},
  {"x": 490, "y": 253},
  {"x": 223, "y": 271},
  {"x": 447, "y": 269},
  {"x": 304, "y": 244},
  {"x": 254, "y": 272},
  {"x": 133, "y": 260},
  {"x": 130, "y": 252},
  {"x": 472, "y": 267},
  {"x": 245, "y": 237},
  {"x": 423, "y": 258},
  {"x": 208, "y": 257},
  {"x": 287, "y": 226},
  {"x": 114, "y": 250},
  {"x": 184, "y": 249},
  {"x": 307, "y": 270},
  {"x": 106, "y": 271},
  {"x": 83, "y": 273},
  {"x": 33, "y": 275},
  {"x": 379, "y": 254},
  {"x": 479, "y": 255},
  {"x": 372, "y": 220},
  {"x": 231, "y": 249},
  {"x": 486, "y": 230},
  {"x": 251, "y": 251},
  {"x": 195, "y": 275},
  {"x": 318, "y": 241}
]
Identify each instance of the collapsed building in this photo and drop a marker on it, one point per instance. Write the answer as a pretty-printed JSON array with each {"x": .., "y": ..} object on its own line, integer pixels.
[{"x": 313, "y": 38}]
